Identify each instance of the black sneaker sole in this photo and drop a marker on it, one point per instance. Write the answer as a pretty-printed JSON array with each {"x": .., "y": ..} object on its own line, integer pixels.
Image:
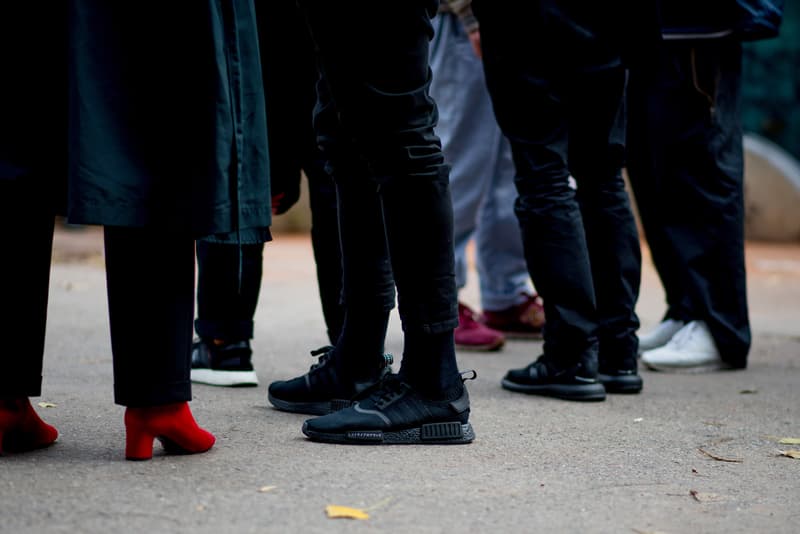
[
  {"x": 451, "y": 433},
  {"x": 576, "y": 392},
  {"x": 310, "y": 408},
  {"x": 629, "y": 384}
]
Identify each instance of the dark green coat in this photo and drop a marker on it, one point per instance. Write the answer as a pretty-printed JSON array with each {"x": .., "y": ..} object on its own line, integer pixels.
[{"x": 156, "y": 113}]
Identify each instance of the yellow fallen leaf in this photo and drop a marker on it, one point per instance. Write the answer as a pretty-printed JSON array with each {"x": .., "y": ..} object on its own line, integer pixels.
[
  {"x": 264, "y": 489},
  {"x": 47, "y": 405},
  {"x": 334, "y": 511},
  {"x": 789, "y": 441},
  {"x": 791, "y": 454}
]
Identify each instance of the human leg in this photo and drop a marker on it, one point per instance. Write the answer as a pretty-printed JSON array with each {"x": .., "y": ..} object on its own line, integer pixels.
[
  {"x": 150, "y": 278},
  {"x": 26, "y": 275},
  {"x": 228, "y": 285},
  {"x": 464, "y": 127},
  {"x": 596, "y": 153},
  {"x": 509, "y": 304},
  {"x": 356, "y": 361},
  {"x": 697, "y": 165},
  {"x": 379, "y": 84},
  {"x": 326, "y": 246},
  {"x": 530, "y": 103}
]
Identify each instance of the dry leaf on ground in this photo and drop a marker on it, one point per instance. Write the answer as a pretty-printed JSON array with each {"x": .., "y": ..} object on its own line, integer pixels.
[
  {"x": 46, "y": 405},
  {"x": 790, "y": 454},
  {"x": 719, "y": 458},
  {"x": 264, "y": 489},
  {"x": 789, "y": 441},
  {"x": 334, "y": 512},
  {"x": 705, "y": 497}
]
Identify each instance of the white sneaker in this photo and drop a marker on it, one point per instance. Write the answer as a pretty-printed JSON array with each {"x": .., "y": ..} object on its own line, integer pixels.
[
  {"x": 691, "y": 349},
  {"x": 660, "y": 335}
]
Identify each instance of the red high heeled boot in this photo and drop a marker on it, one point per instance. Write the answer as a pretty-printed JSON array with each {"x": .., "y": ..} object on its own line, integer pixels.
[
  {"x": 21, "y": 429},
  {"x": 172, "y": 424}
]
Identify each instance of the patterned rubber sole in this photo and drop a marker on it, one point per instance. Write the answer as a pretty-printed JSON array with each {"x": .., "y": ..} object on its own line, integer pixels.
[{"x": 450, "y": 433}]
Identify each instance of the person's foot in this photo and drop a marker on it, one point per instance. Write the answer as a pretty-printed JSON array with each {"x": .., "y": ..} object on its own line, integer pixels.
[
  {"x": 691, "y": 349},
  {"x": 325, "y": 388},
  {"x": 21, "y": 429},
  {"x": 474, "y": 336},
  {"x": 395, "y": 413},
  {"x": 545, "y": 377},
  {"x": 621, "y": 377},
  {"x": 660, "y": 335},
  {"x": 172, "y": 424},
  {"x": 224, "y": 364},
  {"x": 524, "y": 320}
]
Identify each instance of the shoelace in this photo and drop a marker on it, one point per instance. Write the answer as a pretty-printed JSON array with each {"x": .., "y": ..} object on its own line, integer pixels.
[
  {"x": 323, "y": 354},
  {"x": 391, "y": 389}
]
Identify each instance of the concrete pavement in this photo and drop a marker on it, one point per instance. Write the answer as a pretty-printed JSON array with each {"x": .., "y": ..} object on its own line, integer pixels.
[{"x": 630, "y": 464}]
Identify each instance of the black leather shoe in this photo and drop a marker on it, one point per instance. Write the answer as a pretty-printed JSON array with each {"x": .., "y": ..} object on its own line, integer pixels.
[{"x": 544, "y": 377}]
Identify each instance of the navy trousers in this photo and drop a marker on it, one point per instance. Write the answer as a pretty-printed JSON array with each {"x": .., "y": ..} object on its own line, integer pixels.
[{"x": 685, "y": 161}]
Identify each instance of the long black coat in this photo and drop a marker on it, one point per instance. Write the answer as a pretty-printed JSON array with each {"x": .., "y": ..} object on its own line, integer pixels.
[{"x": 154, "y": 110}]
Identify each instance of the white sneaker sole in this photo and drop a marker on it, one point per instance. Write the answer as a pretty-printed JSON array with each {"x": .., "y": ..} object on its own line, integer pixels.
[
  {"x": 224, "y": 378},
  {"x": 687, "y": 370}
]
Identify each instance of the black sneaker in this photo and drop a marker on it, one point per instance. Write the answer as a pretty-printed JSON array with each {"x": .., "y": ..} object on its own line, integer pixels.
[
  {"x": 223, "y": 365},
  {"x": 544, "y": 377},
  {"x": 396, "y": 414},
  {"x": 621, "y": 377},
  {"x": 324, "y": 388}
]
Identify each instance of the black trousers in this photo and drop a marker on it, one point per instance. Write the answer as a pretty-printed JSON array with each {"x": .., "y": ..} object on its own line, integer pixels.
[
  {"x": 565, "y": 118},
  {"x": 375, "y": 123},
  {"x": 150, "y": 283},
  {"x": 685, "y": 161},
  {"x": 227, "y": 303}
]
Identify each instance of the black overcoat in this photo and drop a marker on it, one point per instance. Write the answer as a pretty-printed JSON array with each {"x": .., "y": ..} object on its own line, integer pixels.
[{"x": 154, "y": 110}]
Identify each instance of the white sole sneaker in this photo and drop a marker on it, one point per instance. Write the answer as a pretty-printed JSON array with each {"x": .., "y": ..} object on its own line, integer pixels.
[
  {"x": 660, "y": 335},
  {"x": 690, "y": 350},
  {"x": 213, "y": 377}
]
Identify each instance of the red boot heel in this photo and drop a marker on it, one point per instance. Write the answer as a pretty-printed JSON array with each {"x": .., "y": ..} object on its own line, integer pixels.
[
  {"x": 172, "y": 424},
  {"x": 21, "y": 429}
]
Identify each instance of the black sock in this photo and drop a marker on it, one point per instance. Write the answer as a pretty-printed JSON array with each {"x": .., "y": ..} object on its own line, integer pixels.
[{"x": 429, "y": 365}]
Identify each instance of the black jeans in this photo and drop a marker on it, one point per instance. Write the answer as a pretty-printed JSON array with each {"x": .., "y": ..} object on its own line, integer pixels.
[
  {"x": 375, "y": 123},
  {"x": 685, "y": 160},
  {"x": 582, "y": 249},
  {"x": 150, "y": 279}
]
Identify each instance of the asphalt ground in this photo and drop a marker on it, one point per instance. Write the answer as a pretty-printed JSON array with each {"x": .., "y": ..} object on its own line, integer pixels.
[{"x": 691, "y": 453}]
